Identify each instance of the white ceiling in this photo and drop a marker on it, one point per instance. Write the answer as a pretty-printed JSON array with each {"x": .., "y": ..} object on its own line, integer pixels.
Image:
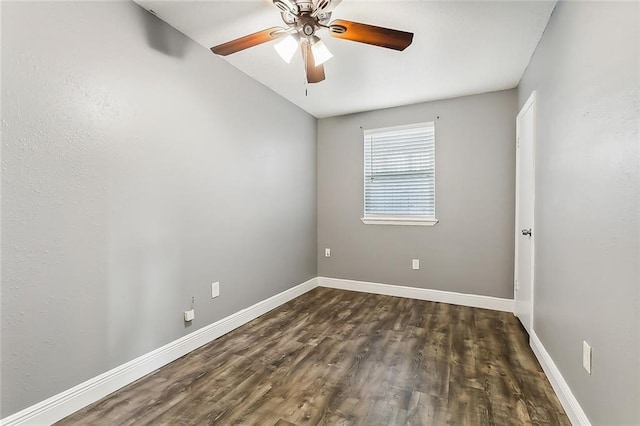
[{"x": 459, "y": 48}]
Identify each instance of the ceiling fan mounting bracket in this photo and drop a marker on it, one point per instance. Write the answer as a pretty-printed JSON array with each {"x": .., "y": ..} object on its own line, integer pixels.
[
  {"x": 277, "y": 32},
  {"x": 337, "y": 29},
  {"x": 287, "y": 7}
]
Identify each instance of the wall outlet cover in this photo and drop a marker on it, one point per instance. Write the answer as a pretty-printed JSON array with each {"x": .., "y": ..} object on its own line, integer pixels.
[
  {"x": 189, "y": 315},
  {"x": 586, "y": 356},
  {"x": 415, "y": 263},
  {"x": 215, "y": 289}
]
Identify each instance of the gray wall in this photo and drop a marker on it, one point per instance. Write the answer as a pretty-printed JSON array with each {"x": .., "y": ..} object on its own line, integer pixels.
[
  {"x": 137, "y": 168},
  {"x": 471, "y": 249},
  {"x": 587, "y": 217}
]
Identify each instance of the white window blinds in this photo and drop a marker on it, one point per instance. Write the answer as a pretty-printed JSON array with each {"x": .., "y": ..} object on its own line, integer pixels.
[{"x": 399, "y": 171}]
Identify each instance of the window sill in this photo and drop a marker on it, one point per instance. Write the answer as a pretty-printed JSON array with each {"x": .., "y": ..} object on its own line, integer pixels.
[{"x": 399, "y": 220}]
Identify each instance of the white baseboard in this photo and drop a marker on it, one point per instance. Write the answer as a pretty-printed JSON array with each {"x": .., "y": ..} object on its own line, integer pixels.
[
  {"x": 569, "y": 402},
  {"x": 65, "y": 403},
  {"x": 473, "y": 300}
]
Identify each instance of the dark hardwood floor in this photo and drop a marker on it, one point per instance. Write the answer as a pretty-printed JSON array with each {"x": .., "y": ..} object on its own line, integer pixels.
[{"x": 339, "y": 358}]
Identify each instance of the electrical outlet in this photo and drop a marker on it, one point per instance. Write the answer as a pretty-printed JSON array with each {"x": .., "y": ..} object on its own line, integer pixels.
[
  {"x": 415, "y": 263},
  {"x": 215, "y": 289},
  {"x": 189, "y": 315},
  {"x": 586, "y": 356},
  {"x": 327, "y": 252}
]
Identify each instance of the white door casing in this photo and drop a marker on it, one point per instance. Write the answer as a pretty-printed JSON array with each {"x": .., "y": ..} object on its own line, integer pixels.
[{"x": 525, "y": 198}]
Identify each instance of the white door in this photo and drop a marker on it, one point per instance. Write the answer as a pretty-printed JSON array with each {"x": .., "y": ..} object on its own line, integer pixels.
[{"x": 525, "y": 232}]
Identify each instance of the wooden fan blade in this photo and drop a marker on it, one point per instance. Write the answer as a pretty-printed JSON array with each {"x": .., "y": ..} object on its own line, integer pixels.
[
  {"x": 248, "y": 41},
  {"x": 370, "y": 34},
  {"x": 315, "y": 74}
]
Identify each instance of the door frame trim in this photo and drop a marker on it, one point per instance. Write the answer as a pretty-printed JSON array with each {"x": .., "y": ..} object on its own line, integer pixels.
[{"x": 530, "y": 103}]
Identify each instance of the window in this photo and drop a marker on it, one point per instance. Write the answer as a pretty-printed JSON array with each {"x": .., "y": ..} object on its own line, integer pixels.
[{"x": 399, "y": 175}]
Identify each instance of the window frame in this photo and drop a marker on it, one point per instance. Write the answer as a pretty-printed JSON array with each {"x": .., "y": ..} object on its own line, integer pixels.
[{"x": 384, "y": 219}]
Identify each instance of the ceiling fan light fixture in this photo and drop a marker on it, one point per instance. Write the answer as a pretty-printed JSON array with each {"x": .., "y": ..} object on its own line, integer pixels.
[
  {"x": 303, "y": 18},
  {"x": 286, "y": 48},
  {"x": 320, "y": 53}
]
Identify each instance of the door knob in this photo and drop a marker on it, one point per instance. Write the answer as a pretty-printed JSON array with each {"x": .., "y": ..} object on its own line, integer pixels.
[{"x": 526, "y": 232}]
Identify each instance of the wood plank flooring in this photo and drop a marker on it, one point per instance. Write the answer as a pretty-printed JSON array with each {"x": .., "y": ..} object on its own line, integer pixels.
[{"x": 334, "y": 357}]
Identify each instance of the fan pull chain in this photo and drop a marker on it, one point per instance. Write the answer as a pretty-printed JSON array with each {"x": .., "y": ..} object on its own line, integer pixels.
[{"x": 304, "y": 63}]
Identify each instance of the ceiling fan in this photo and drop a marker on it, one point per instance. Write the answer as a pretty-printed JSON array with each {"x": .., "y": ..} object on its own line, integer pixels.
[{"x": 304, "y": 18}]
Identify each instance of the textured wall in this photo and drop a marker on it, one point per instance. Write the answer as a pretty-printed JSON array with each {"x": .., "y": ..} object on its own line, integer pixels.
[
  {"x": 471, "y": 249},
  {"x": 587, "y": 77},
  {"x": 137, "y": 168}
]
